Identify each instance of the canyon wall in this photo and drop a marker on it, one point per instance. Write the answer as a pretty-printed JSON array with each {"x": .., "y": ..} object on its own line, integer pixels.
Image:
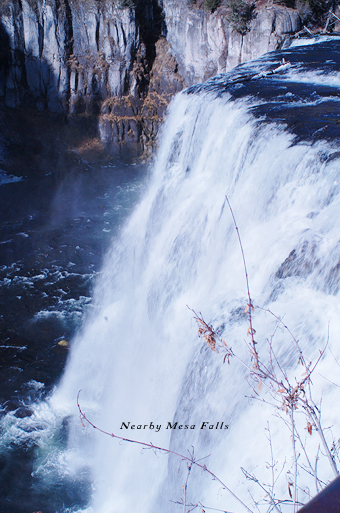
[
  {"x": 206, "y": 44},
  {"x": 122, "y": 61}
]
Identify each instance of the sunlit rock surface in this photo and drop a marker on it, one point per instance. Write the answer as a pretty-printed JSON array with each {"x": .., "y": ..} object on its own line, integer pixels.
[
  {"x": 122, "y": 64},
  {"x": 205, "y": 44}
]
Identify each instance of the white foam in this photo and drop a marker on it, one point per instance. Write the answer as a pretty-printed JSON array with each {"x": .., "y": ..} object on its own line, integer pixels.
[
  {"x": 138, "y": 358},
  {"x": 5, "y": 178},
  {"x": 307, "y": 41},
  {"x": 312, "y": 77}
]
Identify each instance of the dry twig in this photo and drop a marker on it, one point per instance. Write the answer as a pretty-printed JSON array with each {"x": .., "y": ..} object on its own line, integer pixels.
[{"x": 190, "y": 459}]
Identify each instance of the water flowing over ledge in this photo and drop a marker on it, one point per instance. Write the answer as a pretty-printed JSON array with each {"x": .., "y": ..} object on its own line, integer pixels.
[{"x": 137, "y": 358}]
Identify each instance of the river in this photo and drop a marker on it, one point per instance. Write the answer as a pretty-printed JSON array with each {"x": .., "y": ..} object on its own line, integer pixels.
[{"x": 266, "y": 135}]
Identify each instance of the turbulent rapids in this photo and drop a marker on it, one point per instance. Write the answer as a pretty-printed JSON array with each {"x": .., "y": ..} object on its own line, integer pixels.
[{"x": 271, "y": 145}]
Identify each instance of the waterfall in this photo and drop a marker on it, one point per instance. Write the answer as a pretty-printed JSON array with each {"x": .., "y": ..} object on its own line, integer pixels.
[{"x": 138, "y": 359}]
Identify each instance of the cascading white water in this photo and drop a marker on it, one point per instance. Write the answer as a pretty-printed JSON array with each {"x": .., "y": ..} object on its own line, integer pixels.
[{"x": 138, "y": 358}]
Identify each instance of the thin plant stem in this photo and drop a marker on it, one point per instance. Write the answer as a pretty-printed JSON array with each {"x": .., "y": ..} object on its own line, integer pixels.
[
  {"x": 316, "y": 468},
  {"x": 250, "y": 306},
  {"x": 251, "y": 477},
  {"x": 294, "y": 456},
  {"x": 185, "y": 486},
  {"x": 191, "y": 460},
  {"x": 316, "y": 420}
]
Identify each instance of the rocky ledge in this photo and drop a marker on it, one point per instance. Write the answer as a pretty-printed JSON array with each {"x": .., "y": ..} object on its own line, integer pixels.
[{"x": 121, "y": 61}]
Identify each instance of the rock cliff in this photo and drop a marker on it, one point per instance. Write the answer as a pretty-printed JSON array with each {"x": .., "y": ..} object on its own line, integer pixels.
[
  {"x": 205, "y": 43},
  {"x": 121, "y": 61},
  {"x": 64, "y": 55}
]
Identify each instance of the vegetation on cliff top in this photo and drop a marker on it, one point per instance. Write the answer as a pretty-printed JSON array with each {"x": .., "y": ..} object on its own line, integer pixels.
[{"x": 239, "y": 13}]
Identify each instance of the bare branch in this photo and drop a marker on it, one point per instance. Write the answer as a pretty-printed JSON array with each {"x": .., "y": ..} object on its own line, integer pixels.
[
  {"x": 316, "y": 471},
  {"x": 294, "y": 456},
  {"x": 338, "y": 364},
  {"x": 329, "y": 381},
  {"x": 279, "y": 320},
  {"x": 185, "y": 486},
  {"x": 252, "y": 477},
  {"x": 272, "y": 465},
  {"x": 249, "y": 307},
  {"x": 310, "y": 408},
  {"x": 190, "y": 459}
]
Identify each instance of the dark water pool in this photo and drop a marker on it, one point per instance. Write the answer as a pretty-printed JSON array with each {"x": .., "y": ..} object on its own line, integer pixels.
[{"x": 54, "y": 232}]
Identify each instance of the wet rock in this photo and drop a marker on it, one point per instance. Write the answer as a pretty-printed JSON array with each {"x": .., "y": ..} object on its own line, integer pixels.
[
  {"x": 63, "y": 343},
  {"x": 23, "y": 412},
  {"x": 301, "y": 261},
  {"x": 10, "y": 405}
]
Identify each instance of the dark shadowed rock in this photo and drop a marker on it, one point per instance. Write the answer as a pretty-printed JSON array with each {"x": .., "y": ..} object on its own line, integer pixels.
[{"x": 122, "y": 64}]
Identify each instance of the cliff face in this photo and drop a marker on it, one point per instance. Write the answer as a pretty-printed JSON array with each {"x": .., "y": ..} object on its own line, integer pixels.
[
  {"x": 65, "y": 55},
  {"x": 205, "y": 43},
  {"x": 104, "y": 58}
]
